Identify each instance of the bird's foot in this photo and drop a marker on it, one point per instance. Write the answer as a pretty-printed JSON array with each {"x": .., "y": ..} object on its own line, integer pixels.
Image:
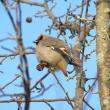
[{"x": 51, "y": 69}]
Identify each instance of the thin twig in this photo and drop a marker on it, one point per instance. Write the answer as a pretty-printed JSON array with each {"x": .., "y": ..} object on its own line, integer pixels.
[
  {"x": 15, "y": 54},
  {"x": 49, "y": 105},
  {"x": 66, "y": 93},
  {"x": 9, "y": 14},
  {"x": 17, "y": 76},
  {"x": 34, "y": 86}
]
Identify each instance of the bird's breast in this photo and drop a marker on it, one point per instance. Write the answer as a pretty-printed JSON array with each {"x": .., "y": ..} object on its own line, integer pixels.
[{"x": 48, "y": 55}]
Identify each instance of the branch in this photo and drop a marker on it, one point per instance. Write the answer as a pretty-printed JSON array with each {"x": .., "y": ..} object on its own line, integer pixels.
[
  {"x": 66, "y": 93},
  {"x": 34, "y": 86},
  {"x": 17, "y": 76},
  {"x": 15, "y": 54},
  {"x": 31, "y": 2},
  {"x": 45, "y": 5},
  {"x": 9, "y": 14},
  {"x": 40, "y": 100}
]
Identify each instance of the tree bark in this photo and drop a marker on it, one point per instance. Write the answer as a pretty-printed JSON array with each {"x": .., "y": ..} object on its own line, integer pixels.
[{"x": 103, "y": 52}]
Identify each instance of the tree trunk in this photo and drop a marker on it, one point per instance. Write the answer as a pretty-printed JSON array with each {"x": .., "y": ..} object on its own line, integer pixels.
[{"x": 103, "y": 52}]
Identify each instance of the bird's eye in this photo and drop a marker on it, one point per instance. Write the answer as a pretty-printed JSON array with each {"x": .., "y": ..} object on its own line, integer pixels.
[{"x": 52, "y": 47}]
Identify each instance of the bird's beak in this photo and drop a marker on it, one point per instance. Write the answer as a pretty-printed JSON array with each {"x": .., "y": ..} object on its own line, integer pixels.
[{"x": 36, "y": 41}]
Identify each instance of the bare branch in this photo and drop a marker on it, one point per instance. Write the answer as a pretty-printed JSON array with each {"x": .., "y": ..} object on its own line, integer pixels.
[
  {"x": 40, "y": 100},
  {"x": 31, "y": 2},
  {"x": 15, "y": 54},
  {"x": 17, "y": 76}
]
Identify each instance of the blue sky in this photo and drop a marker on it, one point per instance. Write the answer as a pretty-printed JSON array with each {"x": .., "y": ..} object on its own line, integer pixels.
[{"x": 30, "y": 33}]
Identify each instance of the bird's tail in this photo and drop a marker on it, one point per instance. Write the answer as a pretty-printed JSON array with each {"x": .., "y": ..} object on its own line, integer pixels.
[{"x": 74, "y": 61}]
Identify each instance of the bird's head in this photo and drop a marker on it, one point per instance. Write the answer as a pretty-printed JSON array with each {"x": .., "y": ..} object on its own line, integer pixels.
[{"x": 40, "y": 38}]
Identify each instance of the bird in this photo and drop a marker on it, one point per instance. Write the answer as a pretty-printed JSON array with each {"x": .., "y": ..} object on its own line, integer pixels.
[{"x": 54, "y": 54}]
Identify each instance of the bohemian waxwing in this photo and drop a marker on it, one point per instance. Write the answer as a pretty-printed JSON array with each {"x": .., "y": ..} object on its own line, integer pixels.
[{"x": 53, "y": 53}]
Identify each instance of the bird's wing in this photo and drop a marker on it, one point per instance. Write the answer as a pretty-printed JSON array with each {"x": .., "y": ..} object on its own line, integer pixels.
[
  {"x": 54, "y": 42},
  {"x": 67, "y": 56}
]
